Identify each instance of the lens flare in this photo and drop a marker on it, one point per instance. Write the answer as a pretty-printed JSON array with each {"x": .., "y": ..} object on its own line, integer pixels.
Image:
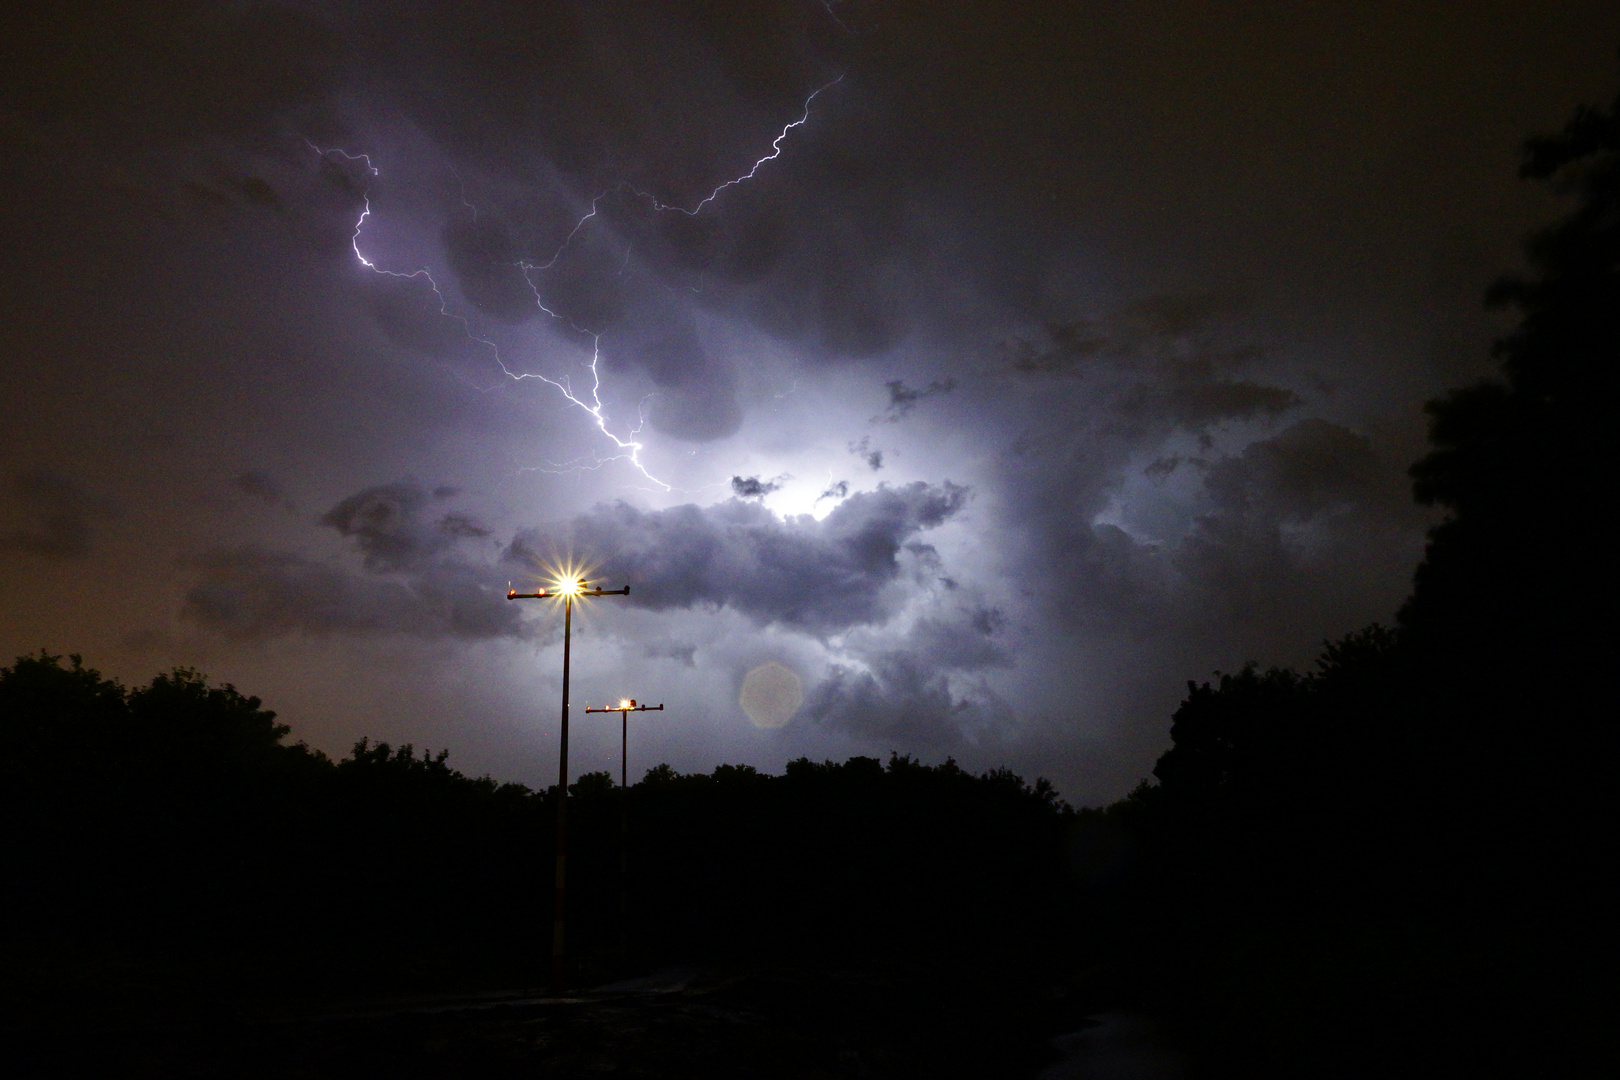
[{"x": 771, "y": 694}]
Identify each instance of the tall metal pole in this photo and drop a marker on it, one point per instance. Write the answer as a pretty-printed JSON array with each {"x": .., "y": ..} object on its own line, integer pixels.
[
  {"x": 567, "y": 589},
  {"x": 624, "y": 833},
  {"x": 559, "y": 887},
  {"x": 624, "y": 709}
]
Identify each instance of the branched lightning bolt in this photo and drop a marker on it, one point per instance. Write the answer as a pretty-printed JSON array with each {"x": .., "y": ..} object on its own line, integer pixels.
[
  {"x": 630, "y": 448},
  {"x": 424, "y": 273},
  {"x": 594, "y": 407},
  {"x": 776, "y": 152}
]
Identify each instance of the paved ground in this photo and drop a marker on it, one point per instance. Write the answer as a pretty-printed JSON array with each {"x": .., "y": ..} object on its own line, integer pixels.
[{"x": 784, "y": 1024}]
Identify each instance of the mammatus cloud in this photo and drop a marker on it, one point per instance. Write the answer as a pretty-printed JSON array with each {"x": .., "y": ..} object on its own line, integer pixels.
[
  {"x": 57, "y": 515},
  {"x": 818, "y": 576}
]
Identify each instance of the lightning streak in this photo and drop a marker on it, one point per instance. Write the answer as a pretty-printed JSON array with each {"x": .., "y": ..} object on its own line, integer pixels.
[
  {"x": 595, "y": 409},
  {"x": 630, "y": 448},
  {"x": 776, "y": 152}
]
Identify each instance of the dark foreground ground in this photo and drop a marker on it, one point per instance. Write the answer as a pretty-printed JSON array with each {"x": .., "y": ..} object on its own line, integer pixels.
[{"x": 783, "y": 1023}]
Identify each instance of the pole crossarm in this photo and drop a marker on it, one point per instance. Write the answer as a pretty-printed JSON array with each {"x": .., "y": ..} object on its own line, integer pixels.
[
  {"x": 513, "y": 594},
  {"x": 632, "y": 707}
]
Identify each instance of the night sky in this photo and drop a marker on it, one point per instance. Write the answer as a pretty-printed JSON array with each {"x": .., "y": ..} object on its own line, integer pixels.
[{"x": 973, "y": 375}]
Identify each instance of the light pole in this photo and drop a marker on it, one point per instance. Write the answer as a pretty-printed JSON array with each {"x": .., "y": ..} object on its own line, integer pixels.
[
  {"x": 624, "y": 708},
  {"x": 568, "y": 588}
]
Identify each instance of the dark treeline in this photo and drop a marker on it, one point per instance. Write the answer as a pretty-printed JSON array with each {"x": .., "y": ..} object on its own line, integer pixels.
[
  {"x": 169, "y": 836},
  {"x": 168, "y": 833},
  {"x": 1399, "y": 863}
]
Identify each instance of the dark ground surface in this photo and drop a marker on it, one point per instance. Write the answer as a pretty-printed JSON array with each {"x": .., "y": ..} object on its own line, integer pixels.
[{"x": 756, "y": 1023}]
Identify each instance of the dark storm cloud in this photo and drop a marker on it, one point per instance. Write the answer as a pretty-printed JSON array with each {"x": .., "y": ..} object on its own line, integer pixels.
[
  {"x": 412, "y": 317},
  {"x": 1178, "y": 334},
  {"x": 819, "y": 576},
  {"x": 898, "y": 698},
  {"x": 58, "y": 516},
  {"x": 1162, "y": 358},
  {"x": 903, "y": 399},
  {"x": 697, "y": 392},
  {"x": 386, "y": 523},
  {"x": 835, "y": 491},
  {"x": 1291, "y": 529},
  {"x": 960, "y": 640},
  {"x": 1310, "y": 520},
  {"x": 251, "y": 594},
  {"x": 415, "y": 584},
  {"x": 1139, "y": 380},
  {"x": 261, "y": 485},
  {"x": 258, "y": 191},
  {"x": 462, "y": 526},
  {"x": 1160, "y": 468},
  {"x": 254, "y": 190},
  {"x": 863, "y": 449},
  {"x": 1202, "y": 405},
  {"x": 752, "y": 487},
  {"x": 485, "y": 261},
  {"x": 1310, "y": 468},
  {"x": 903, "y": 698},
  {"x": 1144, "y": 378},
  {"x": 585, "y": 279},
  {"x": 265, "y": 488}
]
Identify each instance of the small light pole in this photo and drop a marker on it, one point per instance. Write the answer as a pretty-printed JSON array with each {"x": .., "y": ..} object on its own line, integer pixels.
[
  {"x": 624, "y": 708},
  {"x": 568, "y": 588}
]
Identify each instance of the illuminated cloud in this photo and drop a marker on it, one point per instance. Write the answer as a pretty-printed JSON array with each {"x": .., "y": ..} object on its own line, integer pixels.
[{"x": 818, "y": 576}]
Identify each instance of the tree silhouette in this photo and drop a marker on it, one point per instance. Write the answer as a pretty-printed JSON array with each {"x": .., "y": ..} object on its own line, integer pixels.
[
  {"x": 1415, "y": 827},
  {"x": 1512, "y": 618}
]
